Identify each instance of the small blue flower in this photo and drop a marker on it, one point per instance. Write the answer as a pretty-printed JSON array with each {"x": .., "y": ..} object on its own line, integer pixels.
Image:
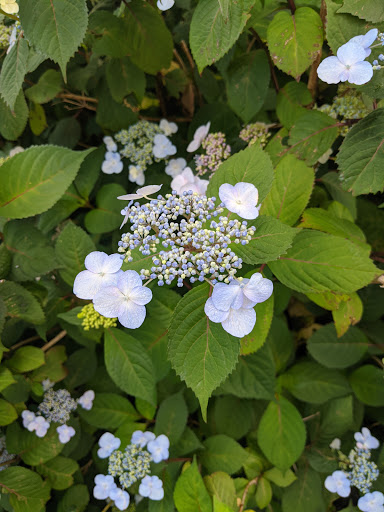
[
  {"x": 240, "y": 199},
  {"x": 159, "y": 448},
  {"x": 348, "y": 66},
  {"x": 365, "y": 441},
  {"x": 339, "y": 483},
  {"x": 65, "y": 433},
  {"x": 112, "y": 163},
  {"x": 108, "y": 443},
  {"x": 142, "y": 438},
  {"x": 104, "y": 485},
  {"x": 162, "y": 146},
  {"x": 366, "y": 40},
  {"x": 120, "y": 497},
  {"x": 167, "y": 127},
  {"x": 372, "y": 502},
  {"x": 102, "y": 270},
  {"x": 110, "y": 143},
  {"x": 151, "y": 487}
]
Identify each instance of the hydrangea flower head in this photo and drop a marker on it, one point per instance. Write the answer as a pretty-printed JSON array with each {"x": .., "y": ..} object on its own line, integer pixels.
[
  {"x": 162, "y": 146},
  {"x": 167, "y": 127},
  {"x": 339, "y": 483},
  {"x": 65, "y": 433},
  {"x": 372, "y": 502},
  {"x": 101, "y": 270},
  {"x": 136, "y": 174},
  {"x": 365, "y": 441},
  {"x": 348, "y": 66},
  {"x": 240, "y": 199},
  {"x": 104, "y": 485},
  {"x": 159, "y": 448},
  {"x": 151, "y": 487},
  {"x": 142, "y": 438},
  {"x": 86, "y": 400},
  {"x": 112, "y": 163},
  {"x": 186, "y": 181},
  {"x": 198, "y": 137},
  {"x": 175, "y": 167},
  {"x": 108, "y": 443},
  {"x": 120, "y": 497},
  {"x": 366, "y": 40},
  {"x": 126, "y": 300}
]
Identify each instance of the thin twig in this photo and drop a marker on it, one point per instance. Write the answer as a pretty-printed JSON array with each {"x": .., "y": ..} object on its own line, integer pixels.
[
  {"x": 180, "y": 61},
  {"x": 307, "y": 418},
  {"x": 8, "y": 462},
  {"x": 12, "y": 16},
  {"x": 313, "y": 79},
  {"x": 107, "y": 506},
  {"x": 246, "y": 491},
  {"x": 24, "y": 342},
  {"x": 54, "y": 340},
  {"x": 292, "y": 6},
  {"x": 188, "y": 54}
]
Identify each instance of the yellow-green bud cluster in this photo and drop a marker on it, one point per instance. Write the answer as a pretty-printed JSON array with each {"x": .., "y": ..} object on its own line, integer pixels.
[
  {"x": 129, "y": 466},
  {"x": 216, "y": 151},
  {"x": 93, "y": 320},
  {"x": 255, "y": 132},
  {"x": 5, "y": 34},
  {"x": 57, "y": 405}
]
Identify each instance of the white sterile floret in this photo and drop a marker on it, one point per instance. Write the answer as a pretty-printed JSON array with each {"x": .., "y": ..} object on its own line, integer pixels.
[
  {"x": 151, "y": 487},
  {"x": 112, "y": 163},
  {"x": 339, "y": 483},
  {"x": 102, "y": 270},
  {"x": 110, "y": 143},
  {"x": 164, "y": 5},
  {"x": 108, "y": 443},
  {"x": 167, "y": 127},
  {"x": 65, "y": 433},
  {"x": 372, "y": 502},
  {"x": 136, "y": 174},
  {"x": 159, "y": 448},
  {"x": 142, "y": 438},
  {"x": 125, "y": 300},
  {"x": 240, "y": 199},
  {"x": 141, "y": 192},
  {"x": 198, "y": 137},
  {"x": 39, "y": 425},
  {"x": 348, "y": 66},
  {"x": 366, "y": 40},
  {"x": 175, "y": 167},
  {"x": 162, "y": 146},
  {"x": 365, "y": 441},
  {"x": 186, "y": 181},
  {"x": 86, "y": 400},
  {"x": 336, "y": 444},
  {"x": 120, "y": 497},
  {"x": 232, "y": 304},
  {"x": 28, "y": 417},
  {"x": 104, "y": 485}
]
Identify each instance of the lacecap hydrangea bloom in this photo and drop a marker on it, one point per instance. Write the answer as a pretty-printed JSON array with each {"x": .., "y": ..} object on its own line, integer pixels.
[{"x": 131, "y": 465}]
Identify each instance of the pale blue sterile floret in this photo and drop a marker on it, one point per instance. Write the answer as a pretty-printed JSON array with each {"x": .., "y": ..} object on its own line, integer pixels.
[
  {"x": 102, "y": 270},
  {"x": 110, "y": 143},
  {"x": 136, "y": 174},
  {"x": 233, "y": 304},
  {"x": 241, "y": 199},
  {"x": 365, "y": 441},
  {"x": 142, "y": 438},
  {"x": 163, "y": 147},
  {"x": 366, "y": 40},
  {"x": 175, "y": 167},
  {"x": 372, "y": 502},
  {"x": 65, "y": 433},
  {"x": 120, "y": 497},
  {"x": 186, "y": 181},
  {"x": 159, "y": 448},
  {"x": 108, "y": 443},
  {"x": 125, "y": 300},
  {"x": 104, "y": 485},
  {"x": 86, "y": 400},
  {"x": 198, "y": 137},
  {"x": 348, "y": 66},
  {"x": 151, "y": 487},
  {"x": 112, "y": 163},
  {"x": 339, "y": 483},
  {"x": 168, "y": 127}
]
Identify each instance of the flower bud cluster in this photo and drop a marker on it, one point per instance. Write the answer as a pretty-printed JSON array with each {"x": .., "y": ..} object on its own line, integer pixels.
[
  {"x": 363, "y": 471},
  {"x": 5, "y": 34},
  {"x": 195, "y": 245},
  {"x": 255, "y": 132},
  {"x": 216, "y": 151},
  {"x": 57, "y": 405},
  {"x": 129, "y": 466},
  {"x": 93, "y": 320}
]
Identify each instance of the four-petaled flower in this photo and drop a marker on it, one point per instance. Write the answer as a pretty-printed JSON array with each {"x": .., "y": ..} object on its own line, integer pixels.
[
  {"x": 365, "y": 441},
  {"x": 108, "y": 443},
  {"x": 240, "y": 199},
  {"x": 167, "y": 127},
  {"x": 104, "y": 485},
  {"x": 112, "y": 163},
  {"x": 28, "y": 417},
  {"x": 348, "y": 66},
  {"x": 120, "y": 497},
  {"x": 102, "y": 270},
  {"x": 175, "y": 167},
  {"x": 186, "y": 181},
  {"x": 86, "y": 400},
  {"x": 159, "y": 448},
  {"x": 198, "y": 137},
  {"x": 65, "y": 433},
  {"x": 142, "y": 438},
  {"x": 136, "y": 174},
  {"x": 40, "y": 425},
  {"x": 151, "y": 487},
  {"x": 162, "y": 146},
  {"x": 339, "y": 483},
  {"x": 371, "y": 502}
]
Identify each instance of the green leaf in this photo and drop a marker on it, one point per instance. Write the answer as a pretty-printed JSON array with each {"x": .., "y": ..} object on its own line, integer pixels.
[
  {"x": 33, "y": 450},
  {"x": 200, "y": 351},
  {"x": 20, "y": 303},
  {"x": 286, "y": 200},
  {"x": 312, "y": 135},
  {"x": 32, "y": 253},
  {"x": 256, "y": 338},
  {"x": 348, "y": 313},
  {"x": 28, "y": 492},
  {"x": 252, "y": 165},
  {"x": 215, "y": 27},
  {"x": 235, "y": 426},
  {"x": 37, "y": 119},
  {"x": 367, "y": 384},
  {"x": 13, "y": 122},
  {"x": 129, "y": 366},
  {"x": 247, "y": 81},
  {"x": 190, "y": 493},
  {"x": 32, "y": 181},
  {"x": 56, "y": 28},
  {"x": 279, "y": 477},
  {"x": 295, "y": 40},
  {"x": 72, "y": 246},
  {"x": 106, "y": 217},
  {"x": 149, "y": 40},
  {"x": 290, "y": 102},
  {"x": 67, "y": 133},
  {"x": 109, "y": 411},
  {"x": 271, "y": 239},
  {"x": 221, "y": 486},
  {"x": 110, "y": 33},
  {"x": 48, "y": 86},
  {"x": 8, "y": 413},
  {"x": 75, "y": 499},
  {"x": 222, "y": 453},
  {"x": 13, "y": 71},
  {"x": 310, "y": 382},
  {"x": 306, "y": 494},
  {"x": 6, "y": 378},
  {"x": 263, "y": 495},
  {"x": 281, "y": 433},
  {"x": 334, "y": 352},
  {"x": 319, "y": 262},
  {"x": 59, "y": 472},
  {"x": 26, "y": 359},
  {"x": 131, "y": 79},
  {"x": 371, "y": 10},
  {"x": 172, "y": 417},
  {"x": 361, "y": 156}
]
